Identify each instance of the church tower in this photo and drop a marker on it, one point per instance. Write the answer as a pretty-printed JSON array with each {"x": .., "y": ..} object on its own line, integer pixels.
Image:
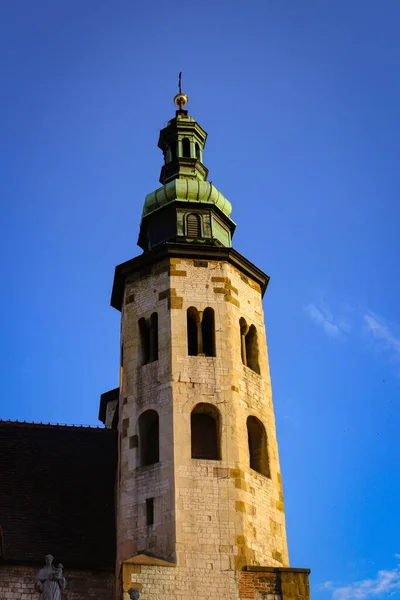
[{"x": 199, "y": 499}]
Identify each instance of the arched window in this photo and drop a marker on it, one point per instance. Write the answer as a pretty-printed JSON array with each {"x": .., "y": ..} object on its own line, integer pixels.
[
  {"x": 208, "y": 332},
  {"x": 258, "y": 450},
  {"x": 205, "y": 432},
  {"x": 193, "y": 226},
  {"x": 243, "y": 331},
  {"x": 198, "y": 155},
  {"x": 200, "y": 332},
  {"x": 144, "y": 354},
  {"x": 252, "y": 349},
  {"x": 149, "y": 438},
  {"x": 249, "y": 346},
  {"x": 148, "y": 331},
  {"x": 192, "y": 317},
  {"x": 186, "y": 147}
]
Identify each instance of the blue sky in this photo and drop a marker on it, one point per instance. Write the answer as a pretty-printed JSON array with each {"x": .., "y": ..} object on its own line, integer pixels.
[{"x": 301, "y": 103}]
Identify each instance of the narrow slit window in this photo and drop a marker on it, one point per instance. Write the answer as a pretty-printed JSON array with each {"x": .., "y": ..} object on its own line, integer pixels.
[
  {"x": 249, "y": 346},
  {"x": 149, "y": 438},
  {"x": 243, "y": 331},
  {"x": 193, "y": 226},
  {"x": 153, "y": 337},
  {"x": 205, "y": 432},
  {"x": 258, "y": 448},
  {"x": 144, "y": 341},
  {"x": 192, "y": 331},
  {"x": 148, "y": 331},
  {"x": 208, "y": 332},
  {"x": 186, "y": 147},
  {"x": 252, "y": 349},
  {"x": 198, "y": 155},
  {"x": 150, "y": 511}
]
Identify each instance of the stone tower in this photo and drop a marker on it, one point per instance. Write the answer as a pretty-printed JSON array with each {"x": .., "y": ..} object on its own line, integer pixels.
[{"x": 199, "y": 493}]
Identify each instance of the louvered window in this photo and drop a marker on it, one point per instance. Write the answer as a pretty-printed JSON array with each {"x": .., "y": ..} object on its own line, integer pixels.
[{"x": 193, "y": 226}]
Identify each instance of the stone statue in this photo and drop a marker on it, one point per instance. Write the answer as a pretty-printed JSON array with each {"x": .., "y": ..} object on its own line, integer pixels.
[{"x": 50, "y": 580}]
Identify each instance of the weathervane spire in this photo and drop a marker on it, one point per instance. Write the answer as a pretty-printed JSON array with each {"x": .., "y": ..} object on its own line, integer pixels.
[{"x": 180, "y": 99}]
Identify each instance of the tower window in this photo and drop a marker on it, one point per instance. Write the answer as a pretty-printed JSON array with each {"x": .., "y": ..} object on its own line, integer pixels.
[
  {"x": 193, "y": 226},
  {"x": 150, "y": 511},
  {"x": 249, "y": 346},
  {"x": 205, "y": 425},
  {"x": 208, "y": 332},
  {"x": 149, "y": 438},
  {"x": 197, "y": 151},
  {"x": 154, "y": 337},
  {"x": 258, "y": 450},
  {"x": 148, "y": 330},
  {"x": 192, "y": 316},
  {"x": 186, "y": 147},
  {"x": 144, "y": 341},
  {"x": 252, "y": 349},
  {"x": 200, "y": 332}
]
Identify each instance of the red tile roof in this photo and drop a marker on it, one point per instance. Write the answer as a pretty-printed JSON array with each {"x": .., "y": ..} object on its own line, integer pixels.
[{"x": 57, "y": 494}]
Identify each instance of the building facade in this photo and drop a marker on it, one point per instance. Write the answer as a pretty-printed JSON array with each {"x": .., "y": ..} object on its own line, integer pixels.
[{"x": 199, "y": 494}]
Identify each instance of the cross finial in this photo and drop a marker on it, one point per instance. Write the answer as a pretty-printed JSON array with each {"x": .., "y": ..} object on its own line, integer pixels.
[{"x": 180, "y": 99}]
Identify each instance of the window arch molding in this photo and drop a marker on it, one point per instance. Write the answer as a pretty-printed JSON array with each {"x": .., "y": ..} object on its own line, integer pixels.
[{"x": 205, "y": 430}]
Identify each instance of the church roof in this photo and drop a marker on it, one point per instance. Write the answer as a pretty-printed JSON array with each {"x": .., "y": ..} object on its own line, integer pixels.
[{"x": 57, "y": 494}]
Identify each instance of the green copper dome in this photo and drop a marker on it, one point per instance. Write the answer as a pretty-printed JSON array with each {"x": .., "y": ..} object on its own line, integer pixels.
[{"x": 187, "y": 190}]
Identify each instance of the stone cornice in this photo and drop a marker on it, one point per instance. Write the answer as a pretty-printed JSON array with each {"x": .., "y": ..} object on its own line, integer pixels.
[{"x": 183, "y": 250}]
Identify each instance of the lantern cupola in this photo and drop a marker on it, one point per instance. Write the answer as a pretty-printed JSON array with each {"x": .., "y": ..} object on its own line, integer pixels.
[{"x": 187, "y": 208}]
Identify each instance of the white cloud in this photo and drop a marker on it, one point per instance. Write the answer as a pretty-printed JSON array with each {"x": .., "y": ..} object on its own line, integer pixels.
[
  {"x": 321, "y": 315},
  {"x": 386, "y": 582},
  {"x": 327, "y": 585},
  {"x": 384, "y": 332}
]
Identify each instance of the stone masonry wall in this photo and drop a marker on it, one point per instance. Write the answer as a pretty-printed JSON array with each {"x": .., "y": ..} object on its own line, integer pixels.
[
  {"x": 264, "y": 583},
  {"x": 226, "y": 513},
  {"x": 185, "y": 583},
  {"x": 17, "y": 582},
  {"x": 210, "y": 515},
  {"x": 145, "y": 387}
]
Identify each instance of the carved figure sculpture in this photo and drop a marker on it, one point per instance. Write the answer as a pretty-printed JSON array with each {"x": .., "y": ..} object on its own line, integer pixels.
[{"x": 50, "y": 581}]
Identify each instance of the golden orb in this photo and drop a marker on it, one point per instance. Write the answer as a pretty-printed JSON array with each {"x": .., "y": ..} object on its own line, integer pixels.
[{"x": 181, "y": 99}]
